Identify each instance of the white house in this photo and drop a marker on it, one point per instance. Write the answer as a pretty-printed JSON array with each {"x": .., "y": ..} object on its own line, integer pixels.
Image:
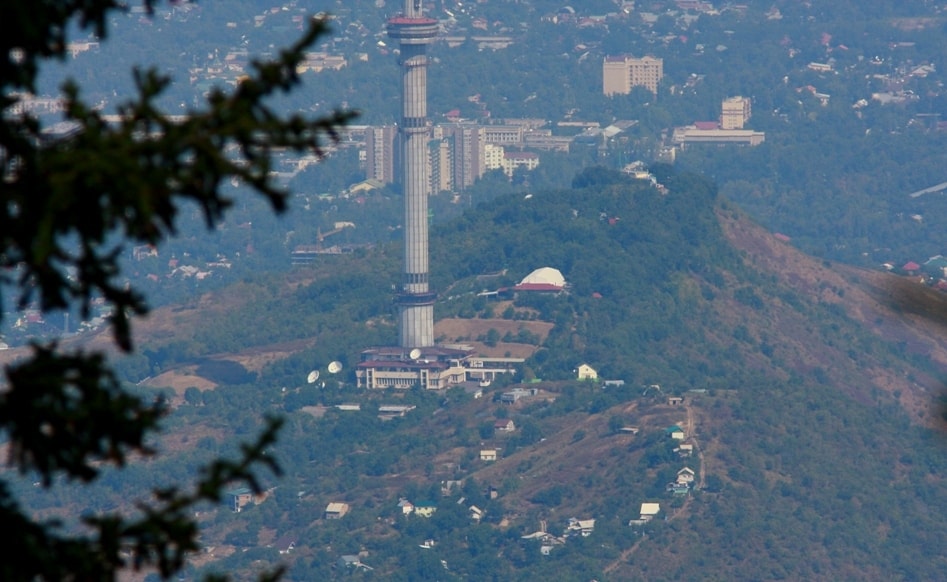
[{"x": 685, "y": 476}]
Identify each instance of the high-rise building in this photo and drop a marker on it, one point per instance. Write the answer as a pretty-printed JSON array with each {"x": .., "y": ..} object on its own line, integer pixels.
[
  {"x": 380, "y": 153},
  {"x": 414, "y": 32},
  {"x": 442, "y": 175},
  {"x": 735, "y": 112},
  {"x": 468, "y": 154},
  {"x": 621, "y": 73}
]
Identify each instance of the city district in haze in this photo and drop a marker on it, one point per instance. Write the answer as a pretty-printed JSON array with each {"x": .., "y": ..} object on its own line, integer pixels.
[{"x": 599, "y": 290}]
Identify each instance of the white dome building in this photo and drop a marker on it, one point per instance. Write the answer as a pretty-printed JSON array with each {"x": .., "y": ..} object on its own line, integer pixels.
[{"x": 543, "y": 279}]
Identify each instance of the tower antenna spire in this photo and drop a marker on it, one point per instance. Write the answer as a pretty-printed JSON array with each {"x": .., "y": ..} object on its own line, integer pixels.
[{"x": 414, "y": 32}]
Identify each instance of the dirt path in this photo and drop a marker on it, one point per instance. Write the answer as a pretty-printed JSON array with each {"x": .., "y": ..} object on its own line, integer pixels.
[
  {"x": 702, "y": 473},
  {"x": 682, "y": 510}
]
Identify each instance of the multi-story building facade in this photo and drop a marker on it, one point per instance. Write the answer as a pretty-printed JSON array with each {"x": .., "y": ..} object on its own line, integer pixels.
[
  {"x": 442, "y": 165},
  {"x": 621, "y": 73},
  {"x": 514, "y": 160},
  {"x": 381, "y": 151},
  {"x": 735, "y": 112},
  {"x": 503, "y": 135},
  {"x": 493, "y": 156},
  {"x": 468, "y": 153}
]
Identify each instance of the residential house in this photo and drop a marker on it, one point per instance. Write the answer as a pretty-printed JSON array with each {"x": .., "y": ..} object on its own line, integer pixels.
[
  {"x": 504, "y": 425},
  {"x": 476, "y": 513},
  {"x": 406, "y": 507},
  {"x": 354, "y": 562},
  {"x": 685, "y": 476},
  {"x": 238, "y": 498},
  {"x": 675, "y": 432},
  {"x": 675, "y": 400},
  {"x": 336, "y": 510},
  {"x": 586, "y": 372},
  {"x": 366, "y": 186},
  {"x": 285, "y": 544},
  {"x": 583, "y": 527},
  {"x": 488, "y": 455},
  {"x": 647, "y": 513},
  {"x": 936, "y": 266},
  {"x": 685, "y": 450}
]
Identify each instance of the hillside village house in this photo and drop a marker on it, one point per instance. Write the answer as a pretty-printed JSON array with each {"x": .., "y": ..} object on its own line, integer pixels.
[
  {"x": 685, "y": 476},
  {"x": 285, "y": 544},
  {"x": 336, "y": 510},
  {"x": 587, "y": 372},
  {"x": 488, "y": 455},
  {"x": 238, "y": 498},
  {"x": 647, "y": 513},
  {"x": 476, "y": 514},
  {"x": 504, "y": 425},
  {"x": 406, "y": 507},
  {"x": 583, "y": 527}
]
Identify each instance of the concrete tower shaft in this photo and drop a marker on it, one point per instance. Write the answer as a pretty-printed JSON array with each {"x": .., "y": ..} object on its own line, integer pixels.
[{"x": 416, "y": 300}]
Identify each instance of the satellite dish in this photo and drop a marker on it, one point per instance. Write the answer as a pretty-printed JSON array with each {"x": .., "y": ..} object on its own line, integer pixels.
[
  {"x": 335, "y": 367},
  {"x": 313, "y": 376},
  {"x": 415, "y": 354}
]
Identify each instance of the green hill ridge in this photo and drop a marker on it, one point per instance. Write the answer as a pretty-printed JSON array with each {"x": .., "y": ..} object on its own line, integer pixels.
[{"x": 808, "y": 400}]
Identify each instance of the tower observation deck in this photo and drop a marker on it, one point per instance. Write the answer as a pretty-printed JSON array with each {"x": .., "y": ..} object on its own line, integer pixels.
[{"x": 415, "y": 298}]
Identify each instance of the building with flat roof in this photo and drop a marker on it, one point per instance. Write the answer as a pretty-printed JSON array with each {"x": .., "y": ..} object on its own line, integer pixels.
[
  {"x": 381, "y": 153},
  {"x": 621, "y": 73},
  {"x": 467, "y": 153},
  {"x": 432, "y": 368},
  {"x": 692, "y": 134},
  {"x": 734, "y": 112},
  {"x": 514, "y": 160}
]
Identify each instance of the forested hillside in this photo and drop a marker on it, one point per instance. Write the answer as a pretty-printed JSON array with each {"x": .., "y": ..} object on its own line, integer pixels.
[{"x": 806, "y": 400}]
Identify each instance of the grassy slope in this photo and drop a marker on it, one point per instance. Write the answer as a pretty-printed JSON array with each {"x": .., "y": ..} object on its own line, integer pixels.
[{"x": 811, "y": 436}]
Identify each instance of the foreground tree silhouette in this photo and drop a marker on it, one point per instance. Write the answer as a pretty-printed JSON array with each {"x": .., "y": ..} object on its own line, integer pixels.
[{"x": 68, "y": 208}]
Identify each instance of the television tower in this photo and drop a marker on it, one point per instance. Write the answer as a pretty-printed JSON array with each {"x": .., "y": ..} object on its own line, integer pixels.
[{"x": 415, "y": 299}]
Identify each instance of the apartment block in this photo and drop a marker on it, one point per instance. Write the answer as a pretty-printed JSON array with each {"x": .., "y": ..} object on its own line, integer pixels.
[
  {"x": 735, "y": 112},
  {"x": 468, "y": 153},
  {"x": 381, "y": 151},
  {"x": 442, "y": 175},
  {"x": 621, "y": 73}
]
